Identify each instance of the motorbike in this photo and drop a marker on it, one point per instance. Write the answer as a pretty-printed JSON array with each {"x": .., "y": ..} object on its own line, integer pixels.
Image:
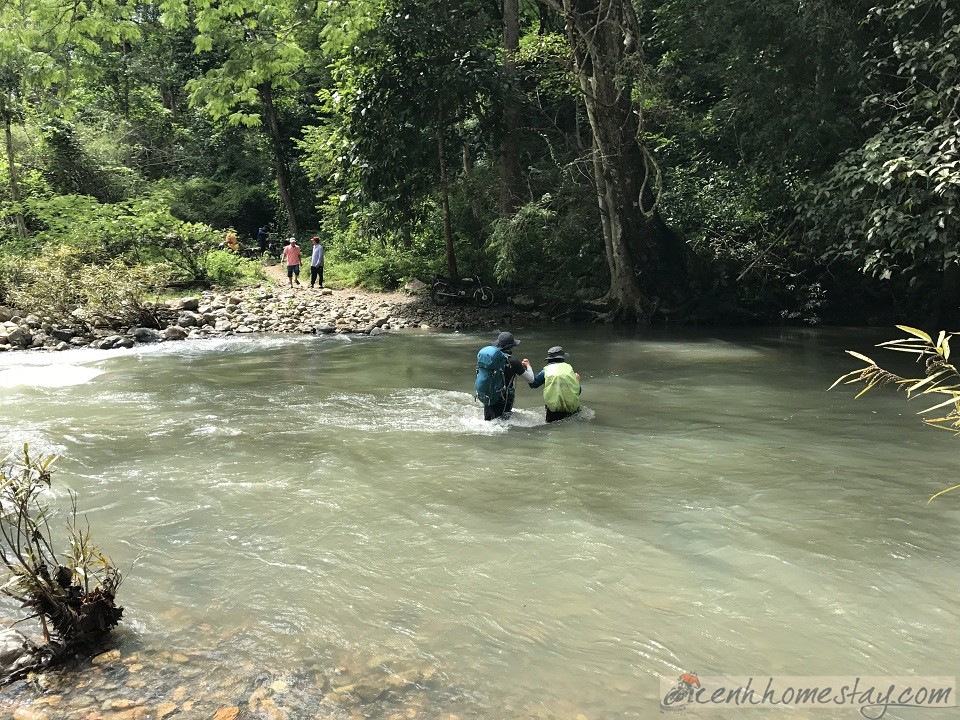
[
  {"x": 253, "y": 252},
  {"x": 445, "y": 289}
]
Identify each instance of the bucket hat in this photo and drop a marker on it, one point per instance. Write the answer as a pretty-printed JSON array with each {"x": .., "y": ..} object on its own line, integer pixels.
[
  {"x": 505, "y": 341},
  {"x": 557, "y": 353}
]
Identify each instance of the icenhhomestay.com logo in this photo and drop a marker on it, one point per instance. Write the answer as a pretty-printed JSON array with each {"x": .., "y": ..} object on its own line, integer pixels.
[{"x": 871, "y": 697}]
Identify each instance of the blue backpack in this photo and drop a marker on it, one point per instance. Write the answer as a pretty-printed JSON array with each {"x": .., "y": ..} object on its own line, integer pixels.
[{"x": 491, "y": 385}]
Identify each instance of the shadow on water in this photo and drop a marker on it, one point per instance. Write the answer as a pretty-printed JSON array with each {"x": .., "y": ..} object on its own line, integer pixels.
[{"x": 326, "y": 527}]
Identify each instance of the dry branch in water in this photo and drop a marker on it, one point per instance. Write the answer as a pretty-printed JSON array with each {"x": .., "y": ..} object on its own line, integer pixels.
[{"x": 72, "y": 593}]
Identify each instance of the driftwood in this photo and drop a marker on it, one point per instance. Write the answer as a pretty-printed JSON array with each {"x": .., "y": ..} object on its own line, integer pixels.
[{"x": 72, "y": 593}]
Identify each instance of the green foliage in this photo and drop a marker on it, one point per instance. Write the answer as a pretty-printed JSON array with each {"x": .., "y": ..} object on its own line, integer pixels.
[
  {"x": 374, "y": 251},
  {"x": 799, "y": 145},
  {"x": 892, "y": 204},
  {"x": 71, "y": 287},
  {"x": 409, "y": 80},
  {"x": 259, "y": 44},
  {"x": 228, "y": 270},
  {"x": 385, "y": 270},
  {"x": 72, "y": 170},
  {"x": 233, "y": 202},
  {"x": 548, "y": 248}
]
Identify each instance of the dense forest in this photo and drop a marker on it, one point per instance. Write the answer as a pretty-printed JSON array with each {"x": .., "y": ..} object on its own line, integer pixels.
[{"x": 637, "y": 160}]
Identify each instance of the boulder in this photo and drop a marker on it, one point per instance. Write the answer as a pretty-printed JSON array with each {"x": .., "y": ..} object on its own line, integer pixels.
[
  {"x": 175, "y": 332},
  {"x": 522, "y": 301},
  {"x": 146, "y": 335},
  {"x": 16, "y": 649},
  {"x": 189, "y": 303},
  {"x": 64, "y": 334},
  {"x": 188, "y": 318},
  {"x": 19, "y": 337},
  {"x": 6, "y": 313},
  {"x": 107, "y": 343},
  {"x": 415, "y": 287}
]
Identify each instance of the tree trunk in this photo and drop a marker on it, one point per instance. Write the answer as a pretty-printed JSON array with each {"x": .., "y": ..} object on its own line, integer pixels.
[
  {"x": 12, "y": 172},
  {"x": 644, "y": 258},
  {"x": 510, "y": 173},
  {"x": 445, "y": 202},
  {"x": 280, "y": 163}
]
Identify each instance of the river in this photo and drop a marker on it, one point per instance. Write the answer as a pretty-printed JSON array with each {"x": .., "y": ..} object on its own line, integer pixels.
[{"x": 299, "y": 515}]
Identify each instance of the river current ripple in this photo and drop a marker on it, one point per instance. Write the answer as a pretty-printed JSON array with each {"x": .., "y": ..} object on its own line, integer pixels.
[{"x": 299, "y": 516}]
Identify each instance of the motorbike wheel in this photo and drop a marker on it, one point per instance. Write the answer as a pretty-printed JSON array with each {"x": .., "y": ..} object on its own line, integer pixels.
[
  {"x": 438, "y": 294},
  {"x": 483, "y": 296}
]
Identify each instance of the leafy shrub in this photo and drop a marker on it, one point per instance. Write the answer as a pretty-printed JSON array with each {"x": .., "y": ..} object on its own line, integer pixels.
[
  {"x": 227, "y": 269},
  {"x": 386, "y": 270},
  {"x": 61, "y": 285},
  {"x": 138, "y": 231}
]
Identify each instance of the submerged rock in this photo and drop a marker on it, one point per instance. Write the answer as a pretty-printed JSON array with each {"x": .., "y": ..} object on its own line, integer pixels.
[{"x": 15, "y": 650}]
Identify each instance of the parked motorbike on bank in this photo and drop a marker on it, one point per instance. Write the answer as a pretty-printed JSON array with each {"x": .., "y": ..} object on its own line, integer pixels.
[{"x": 445, "y": 289}]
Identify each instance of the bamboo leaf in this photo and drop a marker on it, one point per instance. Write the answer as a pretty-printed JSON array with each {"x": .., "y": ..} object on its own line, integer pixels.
[
  {"x": 953, "y": 400},
  {"x": 915, "y": 351},
  {"x": 861, "y": 357},
  {"x": 903, "y": 341},
  {"x": 868, "y": 387},
  {"x": 923, "y": 382},
  {"x": 946, "y": 348},
  {"x": 919, "y": 333},
  {"x": 942, "y": 492},
  {"x": 844, "y": 377}
]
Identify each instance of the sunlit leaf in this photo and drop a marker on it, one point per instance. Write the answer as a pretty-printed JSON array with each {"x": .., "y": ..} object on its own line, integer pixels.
[
  {"x": 924, "y": 381},
  {"x": 942, "y": 492},
  {"x": 861, "y": 357},
  {"x": 918, "y": 333}
]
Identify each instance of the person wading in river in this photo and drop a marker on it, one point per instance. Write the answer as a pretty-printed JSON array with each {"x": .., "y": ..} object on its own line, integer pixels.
[
  {"x": 561, "y": 391},
  {"x": 496, "y": 372}
]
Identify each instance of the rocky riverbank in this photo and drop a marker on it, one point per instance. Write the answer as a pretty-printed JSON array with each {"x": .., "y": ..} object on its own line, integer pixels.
[{"x": 267, "y": 308}]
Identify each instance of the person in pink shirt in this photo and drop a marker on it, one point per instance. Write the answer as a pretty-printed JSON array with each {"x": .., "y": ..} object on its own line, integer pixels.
[{"x": 291, "y": 253}]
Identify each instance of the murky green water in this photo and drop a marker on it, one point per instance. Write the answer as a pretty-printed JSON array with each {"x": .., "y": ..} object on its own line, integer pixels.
[{"x": 301, "y": 508}]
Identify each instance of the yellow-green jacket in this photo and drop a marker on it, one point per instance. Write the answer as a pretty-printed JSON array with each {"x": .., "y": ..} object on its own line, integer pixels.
[{"x": 561, "y": 389}]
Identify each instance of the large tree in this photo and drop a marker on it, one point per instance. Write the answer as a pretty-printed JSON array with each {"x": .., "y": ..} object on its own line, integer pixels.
[
  {"x": 258, "y": 54},
  {"x": 43, "y": 47},
  {"x": 644, "y": 258},
  {"x": 411, "y": 81}
]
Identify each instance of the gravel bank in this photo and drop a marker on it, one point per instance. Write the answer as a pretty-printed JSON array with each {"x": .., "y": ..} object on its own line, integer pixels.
[{"x": 267, "y": 308}]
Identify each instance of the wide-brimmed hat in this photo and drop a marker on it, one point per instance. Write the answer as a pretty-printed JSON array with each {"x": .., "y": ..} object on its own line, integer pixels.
[
  {"x": 505, "y": 341},
  {"x": 557, "y": 353}
]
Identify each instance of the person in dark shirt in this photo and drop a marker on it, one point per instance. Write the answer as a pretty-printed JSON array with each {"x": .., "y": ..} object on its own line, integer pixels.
[
  {"x": 506, "y": 342},
  {"x": 263, "y": 235}
]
